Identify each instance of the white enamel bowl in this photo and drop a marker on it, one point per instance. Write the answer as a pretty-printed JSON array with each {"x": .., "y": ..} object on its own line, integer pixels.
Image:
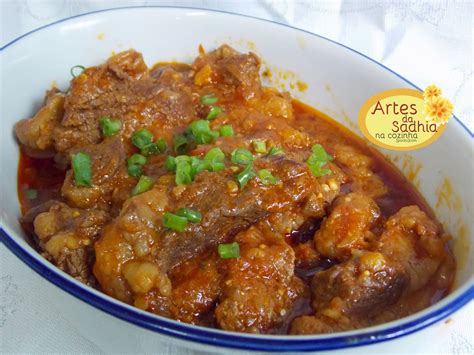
[{"x": 339, "y": 81}]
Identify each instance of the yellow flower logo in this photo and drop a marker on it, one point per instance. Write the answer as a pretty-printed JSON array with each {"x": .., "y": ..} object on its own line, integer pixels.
[
  {"x": 438, "y": 109},
  {"x": 431, "y": 92}
]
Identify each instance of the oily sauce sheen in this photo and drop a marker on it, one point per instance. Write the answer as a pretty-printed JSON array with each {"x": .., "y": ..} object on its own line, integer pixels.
[{"x": 336, "y": 239}]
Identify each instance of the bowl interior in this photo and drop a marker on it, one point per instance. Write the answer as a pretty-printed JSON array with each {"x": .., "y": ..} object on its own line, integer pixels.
[{"x": 323, "y": 74}]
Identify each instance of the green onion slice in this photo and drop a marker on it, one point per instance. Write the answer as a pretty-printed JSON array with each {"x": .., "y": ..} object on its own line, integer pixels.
[
  {"x": 215, "y": 157},
  {"x": 198, "y": 165},
  {"x": 170, "y": 163},
  {"x": 180, "y": 143},
  {"x": 82, "y": 168},
  {"x": 31, "y": 194},
  {"x": 275, "y": 151},
  {"x": 245, "y": 176},
  {"x": 183, "y": 173},
  {"x": 229, "y": 251},
  {"x": 191, "y": 215},
  {"x": 77, "y": 70},
  {"x": 175, "y": 222},
  {"x": 266, "y": 177},
  {"x": 316, "y": 161},
  {"x": 259, "y": 146},
  {"x": 135, "y": 164},
  {"x": 241, "y": 156},
  {"x": 226, "y": 131},
  {"x": 214, "y": 112},
  {"x": 209, "y": 99},
  {"x": 109, "y": 126},
  {"x": 201, "y": 132},
  {"x": 144, "y": 184},
  {"x": 141, "y": 138}
]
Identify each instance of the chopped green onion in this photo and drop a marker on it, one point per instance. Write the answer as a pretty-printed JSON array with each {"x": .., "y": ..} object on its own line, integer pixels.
[
  {"x": 318, "y": 158},
  {"x": 174, "y": 222},
  {"x": 180, "y": 144},
  {"x": 183, "y": 173},
  {"x": 183, "y": 158},
  {"x": 241, "y": 156},
  {"x": 137, "y": 159},
  {"x": 201, "y": 132},
  {"x": 215, "y": 157},
  {"x": 142, "y": 138},
  {"x": 144, "y": 184},
  {"x": 170, "y": 163},
  {"x": 191, "y": 215},
  {"x": 259, "y": 146},
  {"x": 73, "y": 70},
  {"x": 229, "y": 251},
  {"x": 245, "y": 176},
  {"x": 266, "y": 177},
  {"x": 214, "y": 112},
  {"x": 154, "y": 148},
  {"x": 109, "y": 126},
  {"x": 226, "y": 131},
  {"x": 198, "y": 165},
  {"x": 82, "y": 168},
  {"x": 275, "y": 151},
  {"x": 209, "y": 99},
  {"x": 135, "y": 164},
  {"x": 31, "y": 194}
]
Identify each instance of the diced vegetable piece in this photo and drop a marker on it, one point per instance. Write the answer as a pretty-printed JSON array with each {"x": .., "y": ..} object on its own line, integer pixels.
[
  {"x": 183, "y": 173},
  {"x": 215, "y": 157},
  {"x": 141, "y": 138},
  {"x": 174, "y": 222},
  {"x": 181, "y": 144},
  {"x": 241, "y": 156},
  {"x": 170, "y": 163},
  {"x": 245, "y": 176},
  {"x": 198, "y": 165},
  {"x": 31, "y": 194},
  {"x": 154, "y": 148},
  {"x": 229, "y": 251},
  {"x": 275, "y": 151},
  {"x": 82, "y": 168},
  {"x": 259, "y": 146},
  {"x": 266, "y": 177},
  {"x": 109, "y": 126},
  {"x": 214, "y": 112},
  {"x": 201, "y": 132},
  {"x": 144, "y": 184},
  {"x": 318, "y": 158},
  {"x": 226, "y": 131},
  {"x": 191, "y": 215},
  {"x": 77, "y": 70},
  {"x": 135, "y": 164},
  {"x": 209, "y": 99}
]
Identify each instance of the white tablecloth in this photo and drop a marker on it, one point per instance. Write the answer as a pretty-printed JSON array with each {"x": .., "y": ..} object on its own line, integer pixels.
[{"x": 427, "y": 42}]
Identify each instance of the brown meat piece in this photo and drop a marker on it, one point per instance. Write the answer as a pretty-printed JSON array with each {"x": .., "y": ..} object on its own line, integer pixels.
[
  {"x": 348, "y": 226},
  {"x": 110, "y": 180},
  {"x": 133, "y": 235},
  {"x": 360, "y": 169},
  {"x": 260, "y": 286},
  {"x": 352, "y": 292},
  {"x": 415, "y": 241},
  {"x": 37, "y": 133},
  {"x": 65, "y": 235},
  {"x": 196, "y": 288},
  {"x": 122, "y": 88},
  {"x": 137, "y": 234},
  {"x": 229, "y": 67}
]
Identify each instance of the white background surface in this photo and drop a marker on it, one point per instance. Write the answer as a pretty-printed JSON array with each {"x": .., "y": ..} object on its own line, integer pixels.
[{"x": 427, "y": 42}]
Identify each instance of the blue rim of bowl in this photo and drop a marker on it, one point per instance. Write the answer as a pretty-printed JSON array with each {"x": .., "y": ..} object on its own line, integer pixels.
[{"x": 222, "y": 339}]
